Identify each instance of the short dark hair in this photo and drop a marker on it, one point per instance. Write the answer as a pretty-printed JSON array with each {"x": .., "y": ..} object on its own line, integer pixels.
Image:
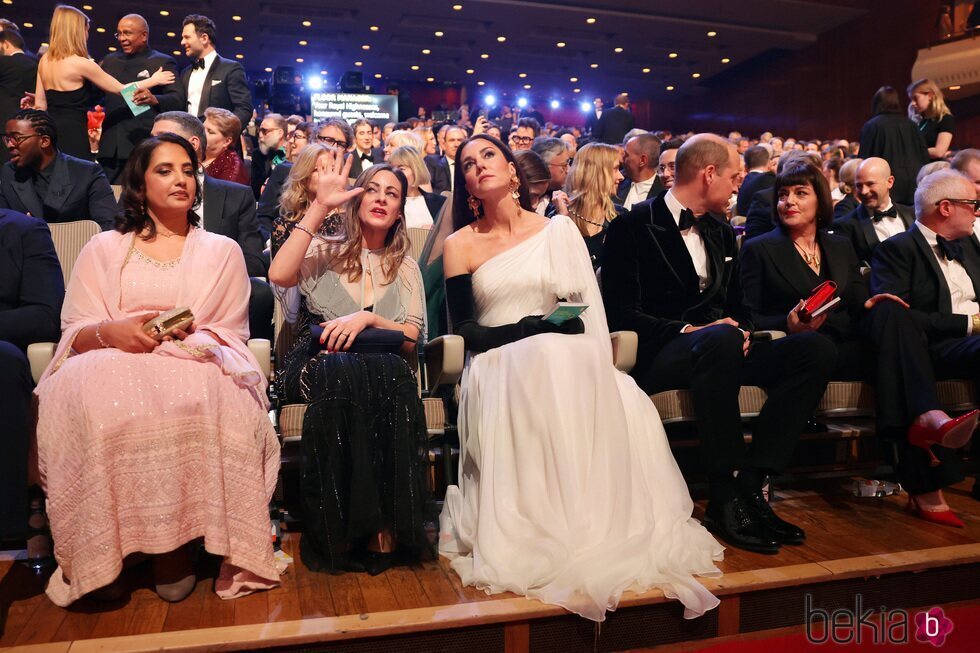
[
  {"x": 756, "y": 157},
  {"x": 41, "y": 121},
  {"x": 462, "y": 215},
  {"x": 134, "y": 218},
  {"x": 800, "y": 172},
  {"x": 340, "y": 124},
  {"x": 13, "y": 37},
  {"x": 532, "y": 123},
  {"x": 885, "y": 100},
  {"x": 672, "y": 144},
  {"x": 534, "y": 167},
  {"x": 190, "y": 123},
  {"x": 202, "y": 25}
]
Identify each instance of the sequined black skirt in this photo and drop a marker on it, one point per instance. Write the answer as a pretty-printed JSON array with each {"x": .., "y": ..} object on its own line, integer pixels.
[{"x": 364, "y": 451}]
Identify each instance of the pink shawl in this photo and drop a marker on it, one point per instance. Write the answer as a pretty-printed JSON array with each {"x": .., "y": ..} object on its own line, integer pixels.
[{"x": 213, "y": 283}]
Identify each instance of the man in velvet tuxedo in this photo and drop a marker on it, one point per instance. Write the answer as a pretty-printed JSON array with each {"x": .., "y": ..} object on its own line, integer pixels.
[
  {"x": 669, "y": 273},
  {"x": 640, "y": 157},
  {"x": 877, "y": 218}
]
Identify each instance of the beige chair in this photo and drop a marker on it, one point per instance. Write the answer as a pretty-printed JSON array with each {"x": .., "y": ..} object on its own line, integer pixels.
[{"x": 416, "y": 239}]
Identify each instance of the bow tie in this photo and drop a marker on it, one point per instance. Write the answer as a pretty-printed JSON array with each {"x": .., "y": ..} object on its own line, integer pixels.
[
  {"x": 367, "y": 157},
  {"x": 688, "y": 219},
  {"x": 198, "y": 64},
  {"x": 890, "y": 213},
  {"x": 951, "y": 250}
]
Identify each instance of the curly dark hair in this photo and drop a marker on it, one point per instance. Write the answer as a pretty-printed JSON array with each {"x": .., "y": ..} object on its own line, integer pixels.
[
  {"x": 134, "y": 217},
  {"x": 462, "y": 215}
]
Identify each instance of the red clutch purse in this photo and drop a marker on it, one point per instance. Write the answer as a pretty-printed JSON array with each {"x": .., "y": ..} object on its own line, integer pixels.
[{"x": 821, "y": 295}]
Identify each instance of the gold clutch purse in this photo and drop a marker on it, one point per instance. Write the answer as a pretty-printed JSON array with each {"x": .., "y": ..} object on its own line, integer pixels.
[{"x": 166, "y": 323}]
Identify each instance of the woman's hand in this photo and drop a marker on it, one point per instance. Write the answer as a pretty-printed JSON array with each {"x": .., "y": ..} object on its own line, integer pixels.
[
  {"x": 339, "y": 333},
  {"x": 27, "y": 102},
  {"x": 885, "y": 296},
  {"x": 161, "y": 78},
  {"x": 481, "y": 126},
  {"x": 331, "y": 188},
  {"x": 560, "y": 200},
  {"x": 128, "y": 335},
  {"x": 179, "y": 334},
  {"x": 795, "y": 325}
]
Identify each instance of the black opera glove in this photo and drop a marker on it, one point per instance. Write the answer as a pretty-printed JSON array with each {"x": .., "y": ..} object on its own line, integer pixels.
[{"x": 462, "y": 314}]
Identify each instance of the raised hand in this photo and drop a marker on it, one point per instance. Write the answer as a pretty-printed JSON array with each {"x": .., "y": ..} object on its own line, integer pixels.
[{"x": 332, "y": 174}]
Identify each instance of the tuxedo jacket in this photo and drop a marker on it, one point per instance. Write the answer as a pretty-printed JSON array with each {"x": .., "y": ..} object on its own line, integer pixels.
[
  {"x": 122, "y": 131},
  {"x": 774, "y": 279},
  {"x": 225, "y": 86},
  {"x": 857, "y": 226},
  {"x": 613, "y": 126},
  {"x": 439, "y": 171},
  {"x": 592, "y": 123},
  {"x": 905, "y": 265},
  {"x": 229, "y": 210},
  {"x": 649, "y": 284},
  {"x": 268, "y": 207},
  {"x": 18, "y": 74},
  {"x": 623, "y": 190},
  {"x": 754, "y": 182},
  {"x": 845, "y": 206},
  {"x": 355, "y": 167},
  {"x": 79, "y": 190},
  {"x": 31, "y": 286}
]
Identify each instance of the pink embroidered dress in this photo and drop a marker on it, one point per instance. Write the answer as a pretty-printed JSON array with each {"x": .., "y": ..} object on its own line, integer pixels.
[{"x": 145, "y": 452}]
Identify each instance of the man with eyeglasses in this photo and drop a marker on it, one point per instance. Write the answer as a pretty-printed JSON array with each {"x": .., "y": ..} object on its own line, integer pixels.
[
  {"x": 47, "y": 184},
  {"x": 877, "y": 218},
  {"x": 136, "y": 60},
  {"x": 270, "y": 152},
  {"x": 527, "y": 130}
]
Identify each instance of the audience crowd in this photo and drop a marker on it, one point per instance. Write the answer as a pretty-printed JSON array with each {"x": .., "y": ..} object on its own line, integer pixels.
[{"x": 704, "y": 245}]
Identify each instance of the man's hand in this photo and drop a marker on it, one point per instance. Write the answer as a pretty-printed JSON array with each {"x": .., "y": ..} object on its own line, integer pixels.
[
  {"x": 725, "y": 320},
  {"x": 885, "y": 296},
  {"x": 143, "y": 97}
]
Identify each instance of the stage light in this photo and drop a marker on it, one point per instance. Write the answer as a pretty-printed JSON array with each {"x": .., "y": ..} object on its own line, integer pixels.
[
  {"x": 490, "y": 100},
  {"x": 314, "y": 82},
  {"x": 100, "y": 30},
  {"x": 522, "y": 102},
  {"x": 712, "y": 34},
  {"x": 585, "y": 107},
  {"x": 555, "y": 104},
  {"x": 307, "y": 23},
  {"x": 726, "y": 60}
]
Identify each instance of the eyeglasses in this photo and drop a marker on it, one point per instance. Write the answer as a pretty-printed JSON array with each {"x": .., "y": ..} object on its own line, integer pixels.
[
  {"x": 522, "y": 140},
  {"x": 332, "y": 141},
  {"x": 16, "y": 139},
  {"x": 665, "y": 168},
  {"x": 265, "y": 130},
  {"x": 127, "y": 35},
  {"x": 563, "y": 166},
  {"x": 297, "y": 134},
  {"x": 974, "y": 203}
]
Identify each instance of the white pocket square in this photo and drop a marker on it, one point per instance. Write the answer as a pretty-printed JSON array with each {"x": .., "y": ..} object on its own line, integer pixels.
[
  {"x": 728, "y": 259},
  {"x": 143, "y": 74},
  {"x": 215, "y": 82}
]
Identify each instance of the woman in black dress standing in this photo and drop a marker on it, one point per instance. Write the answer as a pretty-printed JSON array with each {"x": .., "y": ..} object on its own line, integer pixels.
[
  {"x": 893, "y": 137},
  {"x": 928, "y": 110}
]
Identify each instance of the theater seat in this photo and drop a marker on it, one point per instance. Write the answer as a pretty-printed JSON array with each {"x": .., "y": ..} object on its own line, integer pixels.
[{"x": 416, "y": 239}]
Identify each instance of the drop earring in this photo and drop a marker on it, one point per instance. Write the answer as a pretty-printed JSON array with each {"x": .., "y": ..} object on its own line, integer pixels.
[
  {"x": 514, "y": 190},
  {"x": 474, "y": 205}
]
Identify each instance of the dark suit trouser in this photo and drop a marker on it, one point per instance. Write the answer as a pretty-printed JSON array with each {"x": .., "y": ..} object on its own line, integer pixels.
[
  {"x": 905, "y": 387},
  {"x": 793, "y": 370},
  {"x": 260, "y": 307},
  {"x": 15, "y": 408}
]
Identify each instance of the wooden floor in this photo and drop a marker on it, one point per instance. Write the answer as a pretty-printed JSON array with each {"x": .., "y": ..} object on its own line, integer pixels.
[{"x": 847, "y": 538}]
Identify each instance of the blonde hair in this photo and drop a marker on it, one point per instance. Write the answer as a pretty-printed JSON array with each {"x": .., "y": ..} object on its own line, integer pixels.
[
  {"x": 408, "y": 156},
  {"x": 937, "y": 104},
  {"x": 227, "y": 123},
  {"x": 401, "y": 137},
  {"x": 68, "y": 33},
  {"x": 589, "y": 181}
]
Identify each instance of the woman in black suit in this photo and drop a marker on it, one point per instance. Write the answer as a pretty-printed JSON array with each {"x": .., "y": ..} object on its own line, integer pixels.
[{"x": 781, "y": 268}]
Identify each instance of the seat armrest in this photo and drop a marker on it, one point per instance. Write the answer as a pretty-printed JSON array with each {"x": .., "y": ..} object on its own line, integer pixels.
[
  {"x": 444, "y": 359},
  {"x": 262, "y": 350},
  {"x": 624, "y": 345},
  {"x": 776, "y": 335},
  {"x": 39, "y": 355}
]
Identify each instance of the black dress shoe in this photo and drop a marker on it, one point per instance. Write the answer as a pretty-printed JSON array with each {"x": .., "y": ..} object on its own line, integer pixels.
[
  {"x": 785, "y": 532},
  {"x": 738, "y": 524},
  {"x": 376, "y": 562}
]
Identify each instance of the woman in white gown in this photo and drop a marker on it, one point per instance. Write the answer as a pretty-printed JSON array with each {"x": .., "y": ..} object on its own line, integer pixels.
[{"x": 568, "y": 490}]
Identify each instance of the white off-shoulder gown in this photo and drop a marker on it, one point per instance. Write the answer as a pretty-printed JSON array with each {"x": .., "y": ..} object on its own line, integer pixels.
[{"x": 568, "y": 491}]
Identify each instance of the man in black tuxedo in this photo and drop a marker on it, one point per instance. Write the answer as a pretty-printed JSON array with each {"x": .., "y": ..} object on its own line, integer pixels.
[
  {"x": 615, "y": 123},
  {"x": 364, "y": 153},
  {"x": 759, "y": 218},
  {"x": 270, "y": 152},
  {"x": 18, "y": 74},
  {"x": 442, "y": 169},
  {"x": 935, "y": 267},
  {"x": 228, "y": 209},
  {"x": 43, "y": 182},
  {"x": 877, "y": 218},
  {"x": 669, "y": 273},
  {"x": 592, "y": 122},
  {"x": 212, "y": 80},
  {"x": 758, "y": 163},
  {"x": 31, "y": 293},
  {"x": 122, "y": 131},
  {"x": 640, "y": 160}
]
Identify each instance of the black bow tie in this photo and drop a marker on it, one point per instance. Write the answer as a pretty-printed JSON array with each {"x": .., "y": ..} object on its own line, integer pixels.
[
  {"x": 890, "y": 213},
  {"x": 688, "y": 219},
  {"x": 952, "y": 250},
  {"x": 198, "y": 64},
  {"x": 367, "y": 157}
]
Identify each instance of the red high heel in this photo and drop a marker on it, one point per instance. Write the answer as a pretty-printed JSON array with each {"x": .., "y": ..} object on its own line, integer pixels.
[
  {"x": 945, "y": 517},
  {"x": 953, "y": 434}
]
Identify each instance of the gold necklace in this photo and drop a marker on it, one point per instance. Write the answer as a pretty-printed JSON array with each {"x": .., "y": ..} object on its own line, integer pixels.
[{"x": 810, "y": 258}]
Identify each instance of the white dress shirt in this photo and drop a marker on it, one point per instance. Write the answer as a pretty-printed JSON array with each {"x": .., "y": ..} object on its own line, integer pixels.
[
  {"x": 417, "y": 212},
  {"x": 195, "y": 84},
  {"x": 452, "y": 172},
  {"x": 638, "y": 192},
  {"x": 693, "y": 242},
  {"x": 888, "y": 227},
  {"x": 962, "y": 296},
  {"x": 365, "y": 164}
]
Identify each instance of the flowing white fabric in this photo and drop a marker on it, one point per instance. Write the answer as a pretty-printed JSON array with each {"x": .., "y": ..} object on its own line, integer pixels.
[{"x": 568, "y": 490}]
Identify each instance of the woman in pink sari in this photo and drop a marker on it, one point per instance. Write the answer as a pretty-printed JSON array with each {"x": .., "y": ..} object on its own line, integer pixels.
[{"x": 147, "y": 446}]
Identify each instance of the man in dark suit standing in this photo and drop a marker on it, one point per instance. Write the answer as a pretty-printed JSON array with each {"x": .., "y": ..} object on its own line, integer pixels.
[
  {"x": 18, "y": 72},
  {"x": 364, "y": 153},
  {"x": 122, "y": 131},
  {"x": 669, "y": 273},
  {"x": 877, "y": 218},
  {"x": 442, "y": 169},
  {"x": 228, "y": 209},
  {"x": 758, "y": 163},
  {"x": 615, "y": 123},
  {"x": 592, "y": 122},
  {"x": 43, "y": 182},
  {"x": 212, "y": 80},
  {"x": 640, "y": 160}
]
